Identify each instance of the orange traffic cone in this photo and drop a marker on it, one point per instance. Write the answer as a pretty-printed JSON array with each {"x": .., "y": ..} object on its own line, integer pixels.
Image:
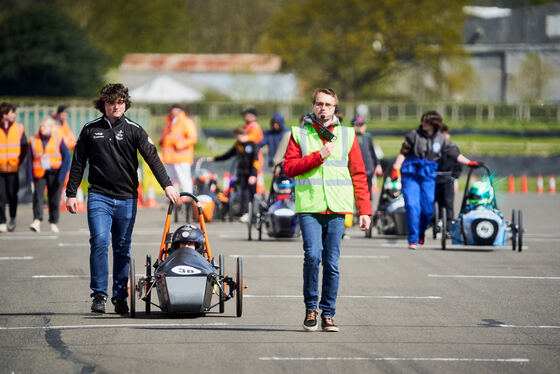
[
  {"x": 63, "y": 201},
  {"x": 374, "y": 186},
  {"x": 511, "y": 184},
  {"x": 140, "y": 195},
  {"x": 540, "y": 185},
  {"x": 524, "y": 184},
  {"x": 80, "y": 199},
  {"x": 151, "y": 200},
  {"x": 225, "y": 182},
  {"x": 552, "y": 184}
]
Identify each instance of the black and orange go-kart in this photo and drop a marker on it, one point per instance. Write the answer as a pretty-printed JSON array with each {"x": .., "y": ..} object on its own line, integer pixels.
[{"x": 186, "y": 282}]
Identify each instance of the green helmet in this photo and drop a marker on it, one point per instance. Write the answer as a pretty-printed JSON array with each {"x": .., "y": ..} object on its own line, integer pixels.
[{"x": 481, "y": 193}]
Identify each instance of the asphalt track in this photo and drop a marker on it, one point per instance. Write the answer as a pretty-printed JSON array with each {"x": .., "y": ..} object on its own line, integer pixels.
[{"x": 427, "y": 311}]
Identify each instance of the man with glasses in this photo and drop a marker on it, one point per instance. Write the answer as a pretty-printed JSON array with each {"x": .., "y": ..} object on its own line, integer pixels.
[{"x": 325, "y": 160}]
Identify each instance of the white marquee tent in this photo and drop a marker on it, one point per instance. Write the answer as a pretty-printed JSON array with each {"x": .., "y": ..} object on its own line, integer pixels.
[{"x": 164, "y": 89}]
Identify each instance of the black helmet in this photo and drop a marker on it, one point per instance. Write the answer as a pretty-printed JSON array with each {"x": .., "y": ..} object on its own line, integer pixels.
[{"x": 188, "y": 233}]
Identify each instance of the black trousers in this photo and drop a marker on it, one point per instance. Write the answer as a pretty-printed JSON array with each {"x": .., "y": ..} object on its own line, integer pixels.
[
  {"x": 247, "y": 192},
  {"x": 445, "y": 197},
  {"x": 9, "y": 186},
  {"x": 51, "y": 183}
]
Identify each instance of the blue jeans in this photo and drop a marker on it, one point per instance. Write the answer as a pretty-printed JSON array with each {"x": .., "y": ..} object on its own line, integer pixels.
[
  {"x": 321, "y": 235},
  {"x": 110, "y": 220},
  {"x": 418, "y": 187}
]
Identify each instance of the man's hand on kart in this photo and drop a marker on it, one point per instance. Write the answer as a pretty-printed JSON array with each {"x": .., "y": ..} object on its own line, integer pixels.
[
  {"x": 364, "y": 222},
  {"x": 172, "y": 194},
  {"x": 475, "y": 164},
  {"x": 72, "y": 205},
  {"x": 252, "y": 180}
]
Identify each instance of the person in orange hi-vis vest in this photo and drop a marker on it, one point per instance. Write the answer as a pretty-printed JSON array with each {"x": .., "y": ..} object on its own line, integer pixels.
[
  {"x": 255, "y": 134},
  {"x": 61, "y": 119},
  {"x": 47, "y": 166},
  {"x": 13, "y": 148},
  {"x": 177, "y": 142}
]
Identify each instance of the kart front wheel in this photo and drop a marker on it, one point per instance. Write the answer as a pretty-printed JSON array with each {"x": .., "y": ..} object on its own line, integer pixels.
[
  {"x": 148, "y": 296},
  {"x": 222, "y": 275},
  {"x": 436, "y": 221},
  {"x": 240, "y": 285},
  {"x": 519, "y": 230},
  {"x": 513, "y": 231},
  {"x": 443, "y": 229},
  {"x": 250, "y": 219},
  {"x": 132, "y": 288}
]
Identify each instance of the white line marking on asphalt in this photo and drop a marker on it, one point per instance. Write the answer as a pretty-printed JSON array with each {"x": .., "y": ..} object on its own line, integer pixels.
[
  {"x": 30, "y": 237},
  {"x": 491, "y": 276},
  {"x": 134, "y": 244},
  {"x": 122, "y": 325},
  {"x": 58, "y": 276},
  {"x": 443, "y": 359},
  {"x": 527, "y": 327},
  {"x": 16, "y": 258},
  {"x": 346, "y": 297},
  {"x": 301, "y": 256}
]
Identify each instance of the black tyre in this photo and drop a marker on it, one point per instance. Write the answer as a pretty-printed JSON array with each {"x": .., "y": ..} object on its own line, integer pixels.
[
  {"x": 369, "y": 229},
  {"x": 259, "y": 225},
  {"x": 436, "y": 221},
  {"x": 443, "y": 229},
  {"x": 250, "y": 220},
  {"x": 513, "y": 231},
  {"x": 520, "y": 230},
  {"x": 132, "y": 288},
  {"x": 240, "y": 287},
  {"x": 222, "y": 275},
  {"x": 148, "y": 295}
]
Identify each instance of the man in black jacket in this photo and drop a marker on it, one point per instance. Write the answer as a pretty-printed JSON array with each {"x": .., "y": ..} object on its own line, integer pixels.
[
  {"x": 110, "y": 145},
  {"x": 448, "y": 170}
]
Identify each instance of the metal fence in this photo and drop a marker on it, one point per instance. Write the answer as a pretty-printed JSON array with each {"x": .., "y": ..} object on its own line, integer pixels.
[{"x": 78, "y": 116}]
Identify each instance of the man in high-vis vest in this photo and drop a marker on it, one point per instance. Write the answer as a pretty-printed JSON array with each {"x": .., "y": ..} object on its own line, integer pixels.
[
  {"x": 179, "y": 135},
  {"x": 47, "y": 166},
  {"x": 325, "y": 160},
  {"x": 13, "y": 148}
]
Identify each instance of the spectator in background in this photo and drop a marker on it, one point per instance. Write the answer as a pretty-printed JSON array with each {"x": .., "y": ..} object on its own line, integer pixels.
[
  {"x": 283, "y": 145},
  {"x": 13, "y": 148},
  {"x": 328, "y": 175},
  {"x": 448, "y": 170},
  {"x": 418, "y": 162},
  {"x": 246, "y": 153},
  {"x": 255, "y": 135},
  {"x": 110, "y": 145},
  {"x": 371, "y": 162},
  {"x": 273, "y": 137},
  {"x": 61, "y": 118},
  {"x": 179, "y": 135},
  {"x": 47, "y": 166}
]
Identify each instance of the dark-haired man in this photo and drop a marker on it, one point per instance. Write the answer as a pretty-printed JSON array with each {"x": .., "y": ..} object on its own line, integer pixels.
[{"x": 110, "y": 145}]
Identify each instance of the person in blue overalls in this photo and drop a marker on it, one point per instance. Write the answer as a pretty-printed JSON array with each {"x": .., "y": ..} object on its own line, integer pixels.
[{"x": 417, "y": 164}]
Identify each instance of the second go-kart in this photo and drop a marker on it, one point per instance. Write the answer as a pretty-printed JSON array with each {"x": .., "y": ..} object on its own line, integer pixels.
[
  {"x": 480, "y": 222},
  {"x": 186, "y": 279}
]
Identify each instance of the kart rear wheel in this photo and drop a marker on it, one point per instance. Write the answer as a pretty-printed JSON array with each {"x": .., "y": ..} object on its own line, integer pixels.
[
  {"x": 436, "y": 221},
  {"x": 513, "y": 231},
  {"x": 222, "y": 275},
  {"x": 519, "y": 230},
  {"x": 132, "y": 288},
  {"x": 240, "y": 285},
  {"x": 250, "y": 219},
  {"x": 148, "y": 296},
  {"x": 443, "y": 229},
  {"x": 259, "y": 225}
]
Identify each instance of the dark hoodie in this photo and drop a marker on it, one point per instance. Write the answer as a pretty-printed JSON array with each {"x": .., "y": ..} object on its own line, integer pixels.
[{"x": 273, "y": 137}]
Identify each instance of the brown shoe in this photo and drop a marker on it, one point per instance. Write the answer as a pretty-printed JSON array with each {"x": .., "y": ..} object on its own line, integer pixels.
[
  {"x": 328, "y": 325},
  {"x": 310, "y": 321}
]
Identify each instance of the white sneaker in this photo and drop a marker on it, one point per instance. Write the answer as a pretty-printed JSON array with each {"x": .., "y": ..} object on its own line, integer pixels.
[
  {"x": 35, "y": 226},
  {"x": 244, "y": 218},
  {"x": 54, "y": 227},
  {"x": 3, "y": 228}
]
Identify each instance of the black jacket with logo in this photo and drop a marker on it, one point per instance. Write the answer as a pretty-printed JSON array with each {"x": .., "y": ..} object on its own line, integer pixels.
[{"x": 111, "y": 151}]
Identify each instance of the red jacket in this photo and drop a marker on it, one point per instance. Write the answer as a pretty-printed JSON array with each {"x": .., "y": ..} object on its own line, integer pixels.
[{"x": 294, "y": 165}]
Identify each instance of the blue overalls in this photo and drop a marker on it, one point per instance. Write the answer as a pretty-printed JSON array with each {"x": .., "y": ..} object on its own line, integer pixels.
[{"x": 418, "y": 186}]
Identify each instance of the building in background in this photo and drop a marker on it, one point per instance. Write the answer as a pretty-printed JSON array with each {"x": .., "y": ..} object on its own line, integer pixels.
[
  {"x": 243, "y": 77},
  {"x": 515, "y": 53}
]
